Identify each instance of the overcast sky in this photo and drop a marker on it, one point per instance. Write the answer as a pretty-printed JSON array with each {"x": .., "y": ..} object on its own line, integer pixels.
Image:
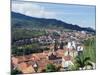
[{"x": 75, "y": 14}]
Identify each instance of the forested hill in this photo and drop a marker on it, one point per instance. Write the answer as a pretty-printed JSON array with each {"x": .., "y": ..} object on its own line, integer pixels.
[{"x": 20, "y": 20}]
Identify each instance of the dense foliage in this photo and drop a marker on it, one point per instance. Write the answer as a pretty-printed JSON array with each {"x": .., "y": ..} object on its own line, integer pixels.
[
  {"x": 21, "y": 33},
  {"x": 27, "y": 49},
  {"x": 90, "y": 48},
  {"x": 51, "y": 68},
  {"x": 82, "y": 62},
  {"x": 15, "y": 72}
]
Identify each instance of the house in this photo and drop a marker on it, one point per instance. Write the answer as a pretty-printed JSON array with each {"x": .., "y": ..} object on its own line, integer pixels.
[
  {"x": 67, "y": 58},
  {"x": 25, "y": 68},
  {"x": 54, "y": 58},
  {"x": 22, "y": 64},
  {"x": 74, "y": 45},
  {"x": 69, "y": 45},
  {"x": 68, "y": 48},
  {"x": 66, "y": 62},
  {"x": 14, "y": 62},
  {"x": 80, "y": 49}
]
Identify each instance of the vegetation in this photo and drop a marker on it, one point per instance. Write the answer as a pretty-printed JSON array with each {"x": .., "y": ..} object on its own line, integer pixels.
[
  {"x": 88, "y": 56},
  {"x": 25, "y": 28},
  {"x": 23, "y": 21},
  {"x": 15, "y": 72},
  {"x": 51, "y": 68},
  {"x": 21, "y": 33},
  {"x": 56, "y": 45},
  {"x": 82, "y": 62},
  {"x": 90, "y": 48},
  {"x": 61, "y": 45},
  {"x": 26, "y": 50}
]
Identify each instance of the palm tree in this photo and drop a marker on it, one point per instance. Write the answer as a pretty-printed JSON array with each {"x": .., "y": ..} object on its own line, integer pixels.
[{"x": 82, "y": 62}]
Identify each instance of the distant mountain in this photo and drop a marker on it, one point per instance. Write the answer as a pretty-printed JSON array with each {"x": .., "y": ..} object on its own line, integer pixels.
[{"x": 20, "y": 20}]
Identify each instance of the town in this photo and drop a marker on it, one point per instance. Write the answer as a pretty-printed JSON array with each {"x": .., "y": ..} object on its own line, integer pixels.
[{"x": 57, "y": 50}]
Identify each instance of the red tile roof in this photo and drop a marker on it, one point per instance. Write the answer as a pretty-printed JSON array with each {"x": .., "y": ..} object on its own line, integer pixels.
[{"x": 67, "y": 58}]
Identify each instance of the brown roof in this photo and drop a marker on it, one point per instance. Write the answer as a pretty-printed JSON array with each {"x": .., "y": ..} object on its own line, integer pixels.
[
  {"x": 25, "y": 62},
  {"x": 22, "y": 66},
  {"x": 14, "y": 60},
  {"x": 67, "y": 58},
  {"x": 60, "y": 53}
]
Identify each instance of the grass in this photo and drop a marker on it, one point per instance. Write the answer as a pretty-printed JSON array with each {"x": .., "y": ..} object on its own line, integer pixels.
[{"x": 90, "y": 49}]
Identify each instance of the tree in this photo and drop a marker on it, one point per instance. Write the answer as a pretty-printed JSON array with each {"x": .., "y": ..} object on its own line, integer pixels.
[
  {"x": 90, "y": 48},
  {"x": 15, "y": 72},
  {"x": 44, "y": 70},
  {"x": 56, "y": 45},
  {"x": 82, "y": 62},
  {"x": 61, "y": 45},
  {"x": 51, "y": 68}
]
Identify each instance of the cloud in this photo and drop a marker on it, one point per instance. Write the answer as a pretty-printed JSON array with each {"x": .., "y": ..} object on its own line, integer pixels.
[{"x": 32, "y": 9}]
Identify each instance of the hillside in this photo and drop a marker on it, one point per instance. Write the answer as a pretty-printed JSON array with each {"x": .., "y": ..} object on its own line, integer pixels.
[{"x": 23, "y": 21}]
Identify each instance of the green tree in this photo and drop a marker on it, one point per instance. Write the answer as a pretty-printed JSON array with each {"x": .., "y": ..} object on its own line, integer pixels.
[
  {"x": 51, "y": 68},
  {"x": 61, "y": 45},
  {"x": 56, "y": 45},
  {"x": 82, "y": 61},
  {"x": 15, "y": 72},
  {"x": 90, "y": 48}
]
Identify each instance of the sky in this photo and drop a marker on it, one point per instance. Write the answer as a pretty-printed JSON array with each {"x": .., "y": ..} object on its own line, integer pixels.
[{"x": 82, "y": 15}]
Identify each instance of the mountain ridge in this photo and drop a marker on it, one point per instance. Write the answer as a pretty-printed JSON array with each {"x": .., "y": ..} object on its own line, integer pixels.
[{"x": 21, "y": 20}]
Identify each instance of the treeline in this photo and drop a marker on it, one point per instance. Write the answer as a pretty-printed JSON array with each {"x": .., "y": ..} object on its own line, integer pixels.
[
  {"x": 21, "y": 21},
  {"x": 21, "y": 33},
  {"x": 28, "y": 50}
]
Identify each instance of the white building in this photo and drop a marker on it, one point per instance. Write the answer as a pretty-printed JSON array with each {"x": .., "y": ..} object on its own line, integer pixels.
[
  {"x": 74, "y": 44},
  {"x": 80, "y": 48},
  {"x": 66, "y": 62},
  {"x": 69, "y": 46}
]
